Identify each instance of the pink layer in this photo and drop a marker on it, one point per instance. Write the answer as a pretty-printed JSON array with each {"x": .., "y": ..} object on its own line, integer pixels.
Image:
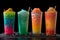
[{"x": 8, "y": 30}]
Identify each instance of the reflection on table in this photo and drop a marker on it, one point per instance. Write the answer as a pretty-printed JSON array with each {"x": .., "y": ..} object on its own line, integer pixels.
[
  {"x": 8, "y": 38},
  {"x": 22, "y": 38},
  {"x": 34, "y": 38},
  {"x": 50, "y": 38}
]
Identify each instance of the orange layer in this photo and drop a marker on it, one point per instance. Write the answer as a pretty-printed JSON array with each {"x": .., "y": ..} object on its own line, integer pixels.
[
  {"x": 36, "y": 10},
  {"x": 36, "y": 28},
  {"x": 36, "y": 25}
]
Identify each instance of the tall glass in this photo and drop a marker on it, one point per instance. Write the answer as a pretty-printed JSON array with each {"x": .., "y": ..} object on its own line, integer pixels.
[
  {"x": 50, "y": 21},
  {"x": 9, "y": 20},
  {"x": 36, "y": 21},
  {"x": 23, "y": 17}
]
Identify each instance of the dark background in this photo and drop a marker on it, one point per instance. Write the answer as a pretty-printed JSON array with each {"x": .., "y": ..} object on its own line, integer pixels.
[{"x": 17, "y": 5}]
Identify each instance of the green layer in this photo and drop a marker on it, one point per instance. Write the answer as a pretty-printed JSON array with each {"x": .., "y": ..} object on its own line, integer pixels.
[{"x": 9, "y": 14}]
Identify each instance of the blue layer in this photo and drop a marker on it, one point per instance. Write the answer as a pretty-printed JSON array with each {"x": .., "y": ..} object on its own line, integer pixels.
[{"x": 9, "y": 21}]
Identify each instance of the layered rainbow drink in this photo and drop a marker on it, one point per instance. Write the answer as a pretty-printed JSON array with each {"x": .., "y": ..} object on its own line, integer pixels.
[
  {"x": 9, "y": 20},
  {"x": 36, "y": 20},
  {"x": 23, "y": 17},
  {"x": 50, "y": 21}
]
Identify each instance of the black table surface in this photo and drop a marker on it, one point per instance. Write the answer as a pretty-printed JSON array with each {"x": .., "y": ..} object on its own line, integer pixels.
[{"x": 29, "y": 36}]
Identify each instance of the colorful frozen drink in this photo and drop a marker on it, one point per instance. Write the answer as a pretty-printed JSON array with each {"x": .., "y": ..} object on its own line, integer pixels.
[
  {"x": 36, "y": 20},
  {"x": 9, "y": 20},
  {"x": 50, "y": 21},
  {"x": 23, "y": 17}
]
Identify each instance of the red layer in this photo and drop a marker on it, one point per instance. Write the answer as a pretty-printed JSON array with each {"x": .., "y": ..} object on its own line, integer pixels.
[
  {"x": 50, "y": 32},
  {"x": 8, "y": 30}
]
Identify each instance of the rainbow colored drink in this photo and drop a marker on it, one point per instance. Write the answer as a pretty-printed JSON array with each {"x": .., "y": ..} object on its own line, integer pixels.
[
  {"x": 23, "y": 17},
  {"x": 50, "y": 21},
  {"x": 36, "y": 21},
  {"x": 9, "y": 20}
]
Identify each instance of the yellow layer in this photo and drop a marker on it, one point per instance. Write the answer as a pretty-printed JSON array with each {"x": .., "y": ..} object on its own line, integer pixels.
[
  {"x": 8, "y": 10},
  {"x": 36, "y": 28}
]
